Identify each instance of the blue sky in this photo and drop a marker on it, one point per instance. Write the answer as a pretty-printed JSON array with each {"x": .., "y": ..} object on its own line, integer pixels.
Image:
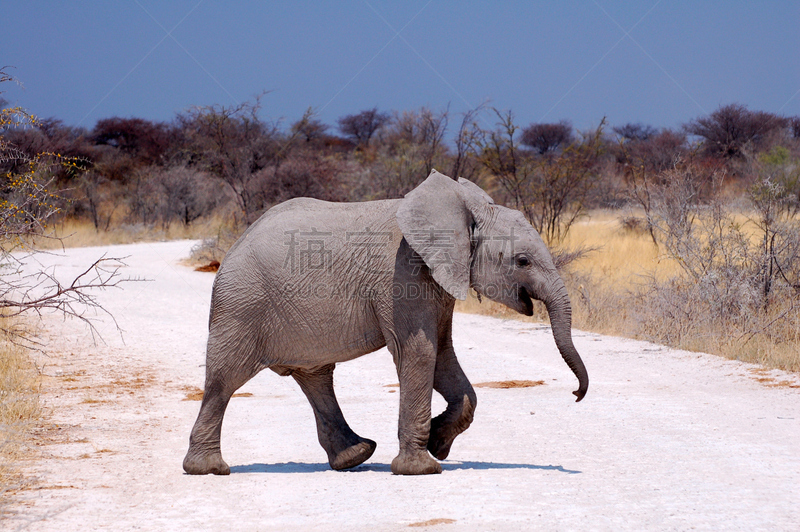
[{"x": 657, "y": 62}]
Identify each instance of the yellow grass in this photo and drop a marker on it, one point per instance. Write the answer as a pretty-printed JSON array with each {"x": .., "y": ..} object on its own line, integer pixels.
[
  {"x": 509, "y": 384},
  {"x": 622, "y": 256},
  {"x": 19, "y": 410},
  {"x": 433, "y": 522},
  {"x": 625, "y": 256},
  {"x": 72, "y": 233}
]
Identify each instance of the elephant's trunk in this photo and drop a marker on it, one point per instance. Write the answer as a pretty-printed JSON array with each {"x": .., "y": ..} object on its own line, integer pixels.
[{"x": 560, "y": 310}]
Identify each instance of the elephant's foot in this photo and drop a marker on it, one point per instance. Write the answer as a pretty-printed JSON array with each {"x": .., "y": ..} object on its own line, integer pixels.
[
  {"x": 415, "y": 464},
  {"x": 205, "y": 464},
  {"x": 439, "y": 445},
  {"x": 443, "y": 433},
  {"x": 354, "y": 455}
]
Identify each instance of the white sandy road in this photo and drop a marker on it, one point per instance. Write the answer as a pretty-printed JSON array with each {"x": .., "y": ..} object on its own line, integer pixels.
[{"x": 665, "y": 439}]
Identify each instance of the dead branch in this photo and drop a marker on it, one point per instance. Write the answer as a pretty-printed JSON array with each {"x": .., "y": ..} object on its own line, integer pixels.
[{"x": 42, "y": 291}]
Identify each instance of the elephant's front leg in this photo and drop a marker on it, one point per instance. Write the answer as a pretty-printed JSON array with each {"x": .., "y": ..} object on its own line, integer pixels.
[
  {"x": 453, "y": 385},
  {"x": 345, "y": 448},
  {"x": 416, "y": 362}
]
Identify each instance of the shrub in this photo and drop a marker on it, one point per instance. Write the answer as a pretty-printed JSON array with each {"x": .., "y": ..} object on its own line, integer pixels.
[
  {"x": 362, "y": 126},
  {"x": 731, "y": 129},
  {"x": 27, "y": 203},
  {"x": 550, "y": 189},
  {"x": 179, "y": 194},
  {"x": 547, "y": 138}
]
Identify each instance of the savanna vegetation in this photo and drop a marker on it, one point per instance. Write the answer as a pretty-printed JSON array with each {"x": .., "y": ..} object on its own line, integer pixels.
[
  {"x": 19, "y": 412},
  {"x": 29, "y": 203},
  {"x": 686, "y": 236}
]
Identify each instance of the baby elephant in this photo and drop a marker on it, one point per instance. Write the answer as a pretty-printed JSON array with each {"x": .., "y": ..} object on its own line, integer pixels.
[{"x": 312, "y": 283}]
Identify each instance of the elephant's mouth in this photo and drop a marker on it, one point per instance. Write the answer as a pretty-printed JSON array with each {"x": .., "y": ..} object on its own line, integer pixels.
[{"x": 526, "y": 301}]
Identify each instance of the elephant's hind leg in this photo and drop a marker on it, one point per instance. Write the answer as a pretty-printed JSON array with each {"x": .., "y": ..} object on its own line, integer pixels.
[
  {"x": 345, "y": 448},
  {"x": 450, "y": 381}
]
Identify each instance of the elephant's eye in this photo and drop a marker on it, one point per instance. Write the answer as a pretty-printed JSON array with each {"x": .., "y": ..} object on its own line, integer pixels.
[{"x": 523, "y": 261}]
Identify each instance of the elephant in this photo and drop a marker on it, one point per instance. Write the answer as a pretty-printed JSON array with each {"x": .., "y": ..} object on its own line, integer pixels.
[{"x": 312, "y": 283}]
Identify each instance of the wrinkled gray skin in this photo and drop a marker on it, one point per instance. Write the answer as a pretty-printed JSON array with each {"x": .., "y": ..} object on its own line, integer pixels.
[{"x": 312, "y": 284}]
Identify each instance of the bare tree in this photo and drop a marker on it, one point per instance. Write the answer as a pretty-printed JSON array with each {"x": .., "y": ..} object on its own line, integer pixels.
[
  {"x": 550, "y": 190},
  {"x": 145, "y": 140},
  {"x": 731, "y": 128},
  {"x": 547, "y": 138},
  {"x": 362, "y": 126},
  {"x": 41, "y": 292},
  {"x": 775, "y": 196},
  {"x": 97, "y": 195},
  {"x": 635, "y": 132},
  {"x": 26, "y": 204},
  {"x": 794, "y": 125},
  {"x": 407, "y": 148},
  {"x": 733, "y": 286},
  {"x": 678, "y": 203},
  {"x": 188, "y": 195},
  {"x": 499, "y": 153},
  {"x": 302, "y": 174},
  {"x": 309, "y": 128},
  {"x": 176, "y": 194},
  {"x": 464, "y": 160},
  {"x": 397, "y": 171},
  {"x": 561, "y": 184},
  {"x": 5, "y": 76},
  {"x": 424, "y": 129},
  {"x": 644, "y": 163},
  {"x": 233, "y": 144}
]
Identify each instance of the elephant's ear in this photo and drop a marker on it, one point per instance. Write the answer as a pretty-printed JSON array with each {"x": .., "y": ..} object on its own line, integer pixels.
[
  {"x": 436, "y": 221},
  {"x": 475, "y": 191}
]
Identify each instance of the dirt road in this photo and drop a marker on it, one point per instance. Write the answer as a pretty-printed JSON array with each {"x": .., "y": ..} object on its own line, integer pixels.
[{"x": 665, "y": 439}]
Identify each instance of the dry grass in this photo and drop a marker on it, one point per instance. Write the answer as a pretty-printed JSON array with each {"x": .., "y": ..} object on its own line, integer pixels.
[
  {"x": 212, "y": 266},
  {"x": 504, "y": 385},
  {"x": 621, "y": 290},
  {"x": 625, "y": 256},
  {"x": 622, "y": 257},
  {"x": 433, "y": 522},
  {"x": 19, "y": 411},
  {"x": 194, "y": 393},
  {"x": 92, "y": 401},
  {"x": 73, "y": 233}
]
